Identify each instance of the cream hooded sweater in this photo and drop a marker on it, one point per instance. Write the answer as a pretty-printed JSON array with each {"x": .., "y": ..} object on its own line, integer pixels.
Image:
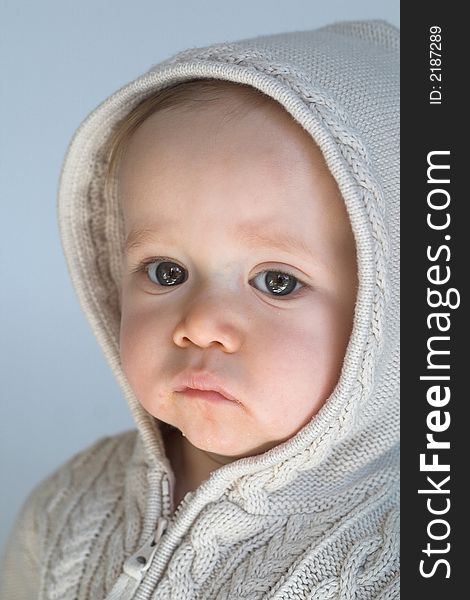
[{"x": 317, "y": 515}]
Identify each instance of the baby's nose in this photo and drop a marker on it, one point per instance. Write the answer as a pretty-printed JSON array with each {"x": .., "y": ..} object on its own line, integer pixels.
[{"x": 208, "y": 321}]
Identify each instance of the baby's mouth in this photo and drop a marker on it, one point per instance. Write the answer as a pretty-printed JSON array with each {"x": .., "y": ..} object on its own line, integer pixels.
[
  {"x": 207, "y": 395},
  {"x": 204, "y": 385}
]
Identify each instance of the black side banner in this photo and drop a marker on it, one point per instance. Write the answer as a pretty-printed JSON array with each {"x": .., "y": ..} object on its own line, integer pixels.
[{"x": 435, "y": 261}]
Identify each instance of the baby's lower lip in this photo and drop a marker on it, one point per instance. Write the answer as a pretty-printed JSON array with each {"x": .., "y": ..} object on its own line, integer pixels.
[{"x": 209, "y": 396}]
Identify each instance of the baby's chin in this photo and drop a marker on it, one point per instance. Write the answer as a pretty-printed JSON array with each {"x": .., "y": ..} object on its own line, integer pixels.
[
  {"x": 226, "y": 448},
  {"x": 228, "y": 433}
]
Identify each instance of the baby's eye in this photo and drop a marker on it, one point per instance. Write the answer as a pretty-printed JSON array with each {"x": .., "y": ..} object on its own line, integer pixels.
[
  {"x": 278, "y": 283},
  {"x": 168, "y": 273}
]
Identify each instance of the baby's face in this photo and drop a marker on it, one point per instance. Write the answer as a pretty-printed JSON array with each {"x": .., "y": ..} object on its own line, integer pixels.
[{"x": 251, "y": 274}]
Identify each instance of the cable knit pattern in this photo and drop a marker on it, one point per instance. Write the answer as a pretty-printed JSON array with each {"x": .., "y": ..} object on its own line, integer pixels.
[
  {"x": 315, "y": 517},
  {"x": 87, "y": 498}
]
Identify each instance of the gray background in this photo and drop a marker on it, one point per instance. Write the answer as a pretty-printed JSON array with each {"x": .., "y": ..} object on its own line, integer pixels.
[{"x": 59, "y": 60}]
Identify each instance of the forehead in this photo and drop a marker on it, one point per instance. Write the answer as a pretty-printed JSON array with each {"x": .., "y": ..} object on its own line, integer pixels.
[
  {"x": 255, "y": 166},
  {"x": 231, "y": 132}
]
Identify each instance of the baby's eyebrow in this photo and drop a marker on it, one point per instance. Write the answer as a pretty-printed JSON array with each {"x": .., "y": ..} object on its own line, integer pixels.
[
  {"x": 270, "y": 236},
  {"x": 140, "y": 237},
  {"x": 254, "y": 235}
]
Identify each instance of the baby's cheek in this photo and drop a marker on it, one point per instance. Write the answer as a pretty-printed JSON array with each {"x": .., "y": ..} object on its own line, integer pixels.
[
  {"x": 333, "y": 327},
  {"x": 139, "y": 344},
  {"x": 308, "y": 362},
  {"x": 286, "y": 374}
]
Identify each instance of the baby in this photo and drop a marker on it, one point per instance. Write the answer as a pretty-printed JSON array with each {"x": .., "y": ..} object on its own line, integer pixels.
[
  {"x": 239, "y": 275},
  {"x": 230, "y": 223}
]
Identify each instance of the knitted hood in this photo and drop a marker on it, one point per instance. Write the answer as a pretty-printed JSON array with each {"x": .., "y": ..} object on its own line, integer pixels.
[{"x": 341, "y": 83}]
